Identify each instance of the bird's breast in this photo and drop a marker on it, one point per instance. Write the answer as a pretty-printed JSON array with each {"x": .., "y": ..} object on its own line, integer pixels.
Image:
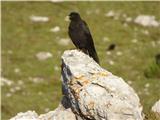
[{"x": 78, "y": 35}]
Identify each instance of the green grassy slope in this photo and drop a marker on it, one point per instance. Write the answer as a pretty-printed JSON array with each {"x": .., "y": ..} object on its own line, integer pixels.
[{"x": 22, "y": 39}]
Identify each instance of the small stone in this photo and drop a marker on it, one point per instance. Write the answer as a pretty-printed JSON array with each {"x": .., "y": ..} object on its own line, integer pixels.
[
  {"x": 97, "y": 11},
  {"x": 17, "y": 70},
  {"x": 129, "y": 19},
  {"x": 146, "y": 21},
  {"x": 134, "y": 41},
  {"x": 5, "y": 81},
  {"x": 147, "y": 85},
  {"x": 40, "y": 93},
  {"x": 20, "y": 82},
  {"x": 119, "y": 53},
  {"x": 10, "y": 52},
  {"x": 111, "y": 13},
  {"x": 8, "y": 95},
  {"x": 17, "y": 88},
  {"x": 108, "y": 52},
  {"x": 153, "y": 43},
  {"x": 125, "y": 25},
  {"x": 105, "y": 39},
  {"x": 124, "y": 15},
  {"x": 12, "y": 90},
  {"x": 64, "y": 41},
  {"x": 145, "y": 32},
  {"x": 88, "y": 12},
  {"x": 37, "y": 80},
  {"x": 55, "y": 29},
  {"x": 56, "y": 68},
  {"x": 111, "y": 62},
  {"x": 35, "y": 18},
  {"x": 43, "y": 56}
]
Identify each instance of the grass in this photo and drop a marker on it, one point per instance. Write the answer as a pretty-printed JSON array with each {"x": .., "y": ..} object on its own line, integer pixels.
[{"x": 22, "y": 40}]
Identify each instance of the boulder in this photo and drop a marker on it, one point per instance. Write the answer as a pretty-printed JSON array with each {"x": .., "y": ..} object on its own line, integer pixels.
[
  {"x": 29, "y": 115},
  {"x": 60, "y": 113},
  {"x": 91, "y": 93},
  {"x": 94, "y": 93}
]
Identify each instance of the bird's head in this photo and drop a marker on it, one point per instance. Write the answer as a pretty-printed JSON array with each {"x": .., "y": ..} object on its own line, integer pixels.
[{"x": 74, "y": 16}]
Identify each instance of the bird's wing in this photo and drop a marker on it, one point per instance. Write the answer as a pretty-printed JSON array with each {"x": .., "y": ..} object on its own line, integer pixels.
[
  {"x": 86, "y": 29},
  {"x": 90, "y": 43},
  {"x": 88, "y": 34},
  {"x": 72, "y": 36}
]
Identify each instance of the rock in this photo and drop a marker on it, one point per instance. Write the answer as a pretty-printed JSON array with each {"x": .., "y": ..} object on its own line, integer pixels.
[
  {"x": 64, "y": 41},
  {"x": 90, "y": 93},
  {"x": 43, "y": 56},
  {"x": 128, "y": 19},
  {"x": 55, "y": 29},
  {"x": 111, "y": 13},
  {"x": 156, "y": 109},
  {"x": 94, "y": 93},
  {"x": 29, "y": 115},
  {"x": 146, "y": 21},
  {"x": 35, "y": 18},
  {"x": 5, "y": 81},
  {"x": 59, "y": 113}
]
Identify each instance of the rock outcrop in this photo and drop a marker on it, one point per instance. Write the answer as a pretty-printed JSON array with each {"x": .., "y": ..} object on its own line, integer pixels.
[{"x": 92, "y": 93}]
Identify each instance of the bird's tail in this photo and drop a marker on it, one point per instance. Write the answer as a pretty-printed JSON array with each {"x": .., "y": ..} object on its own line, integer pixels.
[{"x": 92, "y": 53}]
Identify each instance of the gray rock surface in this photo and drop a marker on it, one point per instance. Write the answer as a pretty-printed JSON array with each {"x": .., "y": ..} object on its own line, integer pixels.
[
  {"x": 29, "y": 115},
  {"x": 59, "y": 113},
  {"x": 95, "y": 93},
  {"x": 92, "y": 93}
]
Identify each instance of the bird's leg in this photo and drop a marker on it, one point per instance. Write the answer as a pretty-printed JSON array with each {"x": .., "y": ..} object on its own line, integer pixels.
[{"x": 85, "y": 51}]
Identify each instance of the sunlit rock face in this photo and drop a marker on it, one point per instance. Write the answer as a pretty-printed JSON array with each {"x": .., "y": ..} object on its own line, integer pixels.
[{"x": 95, "y": 93}]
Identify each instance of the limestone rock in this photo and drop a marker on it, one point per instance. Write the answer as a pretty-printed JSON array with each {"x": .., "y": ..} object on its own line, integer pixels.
[
  {"x": 90, "y": 93},
  {"x": 156, "y": 109},
  {"x": 59, "y": 113},
  {"x": 29, "y": 115},
  {"x": 96, "y": 94}
]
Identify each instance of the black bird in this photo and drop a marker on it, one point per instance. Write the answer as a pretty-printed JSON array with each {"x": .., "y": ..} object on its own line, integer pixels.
[
  {"x": 81, "y": 36},
  {"x": 111, "y": 46}
]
